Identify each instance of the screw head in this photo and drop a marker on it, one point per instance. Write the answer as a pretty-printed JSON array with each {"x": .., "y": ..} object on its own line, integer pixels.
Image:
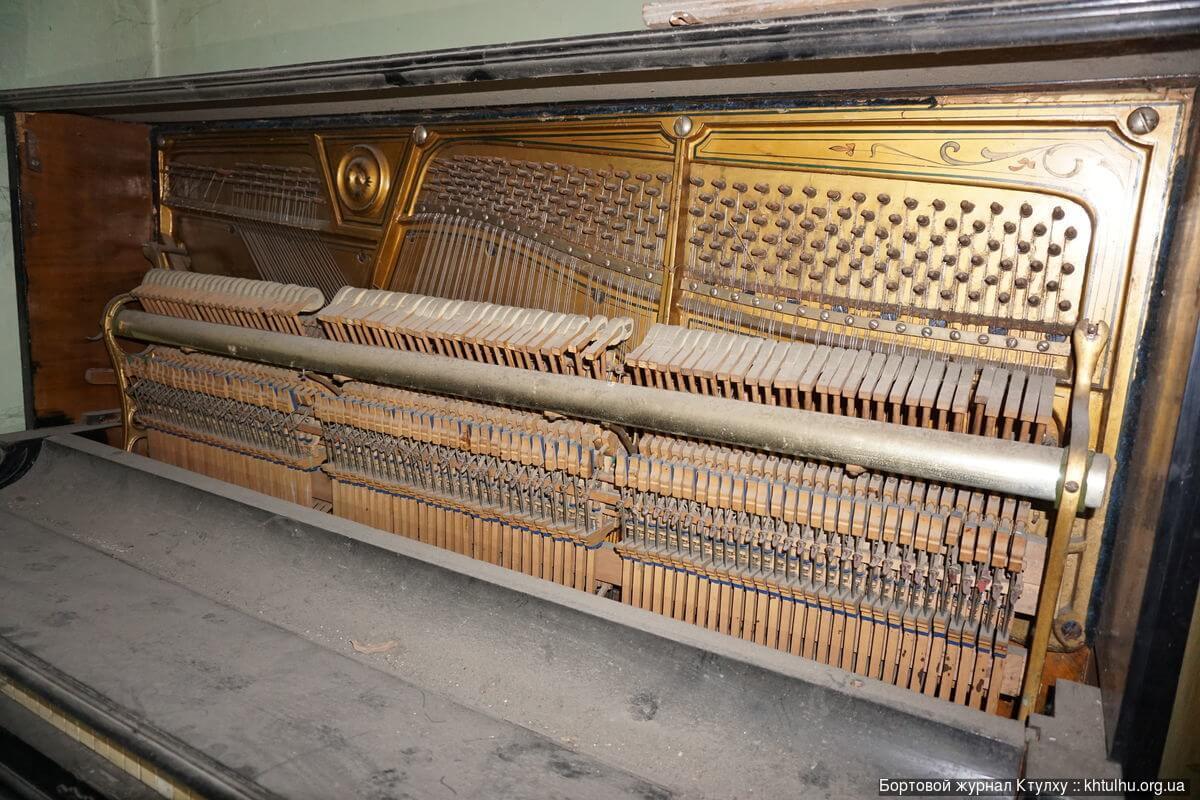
[
  {"x": 682, "y": 126},
  {"x": 420, "y": 134},
  {"x": 1071, "y": 629},
  {"x": 1142, "y": 120}
]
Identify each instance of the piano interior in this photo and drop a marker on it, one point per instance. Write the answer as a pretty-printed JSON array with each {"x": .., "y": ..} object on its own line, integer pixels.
[
  {"x": 849, "y": 381},
  {"x": 976, "y": 267}
]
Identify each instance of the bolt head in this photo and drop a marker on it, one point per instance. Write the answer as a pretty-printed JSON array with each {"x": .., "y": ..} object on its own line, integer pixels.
[
  {"x": 420, "y": 135},
  {"x": 1072, "y": 629},
  {"x": 682, "y": 126},
  {"x": 1142, "y": 120}
]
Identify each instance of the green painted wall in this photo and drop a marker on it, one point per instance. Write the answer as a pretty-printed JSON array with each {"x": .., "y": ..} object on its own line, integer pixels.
[
  {"x": 47, "y": 42},
  {"x": 44, "y": 42},
  {"x": 12, "y": 393},
  {"x": 198, "y": 37}
]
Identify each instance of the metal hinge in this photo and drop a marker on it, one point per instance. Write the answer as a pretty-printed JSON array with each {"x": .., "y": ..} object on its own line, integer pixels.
[{"x": 33, "y": 161}]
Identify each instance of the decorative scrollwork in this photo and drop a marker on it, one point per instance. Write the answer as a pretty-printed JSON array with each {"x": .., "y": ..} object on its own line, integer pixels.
[{"x": 1058, "y": 159}]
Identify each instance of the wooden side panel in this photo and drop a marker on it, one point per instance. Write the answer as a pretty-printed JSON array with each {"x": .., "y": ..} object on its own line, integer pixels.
[{"x": 86, "y": 210}]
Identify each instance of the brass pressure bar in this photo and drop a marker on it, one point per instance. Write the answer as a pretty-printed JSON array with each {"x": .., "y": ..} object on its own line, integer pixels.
[{"x": 1016, "y": 468}]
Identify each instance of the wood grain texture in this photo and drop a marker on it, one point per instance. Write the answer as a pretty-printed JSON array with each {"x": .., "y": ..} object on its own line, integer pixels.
[{"x": 86, "y": 210}]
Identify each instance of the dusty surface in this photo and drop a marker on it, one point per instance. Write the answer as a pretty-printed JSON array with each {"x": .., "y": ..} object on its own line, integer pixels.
[{"x": 653, "y": 703}]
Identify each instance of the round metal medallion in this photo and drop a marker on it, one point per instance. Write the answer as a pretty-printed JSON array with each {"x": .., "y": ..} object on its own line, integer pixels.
[{"x": 362, "y": 178}]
